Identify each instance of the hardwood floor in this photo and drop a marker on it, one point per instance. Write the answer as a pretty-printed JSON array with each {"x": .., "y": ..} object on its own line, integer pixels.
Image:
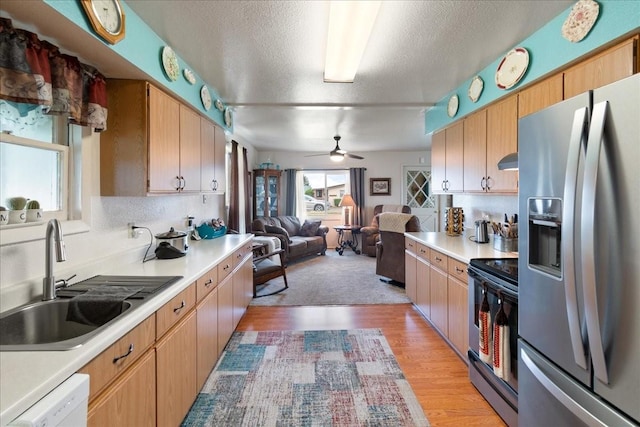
[{"x": 439, "y": 377}]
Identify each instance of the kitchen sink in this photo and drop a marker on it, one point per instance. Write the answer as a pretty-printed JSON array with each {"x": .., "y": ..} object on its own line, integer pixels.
[{"x": 80, "y": 312}]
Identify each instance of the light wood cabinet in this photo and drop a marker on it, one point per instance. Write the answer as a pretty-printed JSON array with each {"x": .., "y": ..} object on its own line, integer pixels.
[
  {"x": 207, "y": 336},
  {"x": 410, "y": 270},
  {"x": 423, "y": 293},
  {"x": 266, "y": 192},
  {"x": 475, "y": 152},
  {"x": 240, "y": 297},
  {"x": 152, "y": 144},
  {"x": 540, "y": 96},
  {"x": 438, "y": 291},
  {"x": 174, "y": 310},
  {"x": 176, "y": 372},
  {"x": 458, "y": 332},
  {"x": 212, "y": 166},
  {"x": 607, "y": 67},
  {"x": 502, "y": 139},
  {"x": 131, "y": 401},
  {"x": 447, "y": 159},
  {"x": 225, "y": 312}
]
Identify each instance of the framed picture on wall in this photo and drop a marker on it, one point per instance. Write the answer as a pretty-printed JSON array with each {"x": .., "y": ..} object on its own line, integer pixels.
[{"x": 380, "y": 186}]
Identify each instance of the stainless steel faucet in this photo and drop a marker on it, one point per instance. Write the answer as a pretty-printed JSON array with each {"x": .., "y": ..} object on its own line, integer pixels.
[{"x": 54, "y": 233}]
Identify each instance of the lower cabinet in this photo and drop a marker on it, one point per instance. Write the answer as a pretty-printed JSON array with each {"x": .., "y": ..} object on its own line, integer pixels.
[
  {"x": 410, "y": 273},
  {"x": 439, "y": 301},
  {"x": 225, "y": 312},
  {"x": 423, "y": 291},
  {"x": 131, "y": 400},
  {"x": 458, "y": 332},
  {"x": 176, "y": 372},
  {"x": 207, "y": 336}
]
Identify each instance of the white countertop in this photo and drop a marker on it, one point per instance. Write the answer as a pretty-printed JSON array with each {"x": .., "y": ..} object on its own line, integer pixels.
[
  {"x": 25, "y": 377},
  {"x": 459, "y": 247}
]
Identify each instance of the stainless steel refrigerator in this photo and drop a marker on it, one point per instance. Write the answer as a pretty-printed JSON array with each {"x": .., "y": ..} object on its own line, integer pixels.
[{"x": 579, "y": 260}]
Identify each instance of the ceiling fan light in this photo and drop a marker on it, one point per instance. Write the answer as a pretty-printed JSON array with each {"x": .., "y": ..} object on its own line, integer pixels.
[
  {"x": 350, "y": 25},
  {"x": 336, "y": 157}
]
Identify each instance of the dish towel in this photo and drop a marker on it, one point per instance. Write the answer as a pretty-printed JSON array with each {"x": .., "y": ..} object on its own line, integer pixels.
[
  {"x": 501, "y": 352},
  {"x": 484, "y": 324},
  {"x": 98, "y": 306}
]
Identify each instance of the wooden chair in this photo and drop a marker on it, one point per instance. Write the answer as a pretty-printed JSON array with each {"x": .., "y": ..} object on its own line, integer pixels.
[{"x": 265, "y": 269}]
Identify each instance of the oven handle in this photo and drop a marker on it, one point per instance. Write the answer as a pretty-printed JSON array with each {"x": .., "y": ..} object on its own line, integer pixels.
[
  {"x": 512, "y": 296},
  {"x": 568, "y": 231}
]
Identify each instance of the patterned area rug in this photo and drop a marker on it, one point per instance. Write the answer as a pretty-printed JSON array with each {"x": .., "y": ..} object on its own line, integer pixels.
[{"x": 307, "y": 378}]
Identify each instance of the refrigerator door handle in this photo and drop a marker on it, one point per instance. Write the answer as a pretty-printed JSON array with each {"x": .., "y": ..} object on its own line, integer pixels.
[
  {"x": 594, "y": 145},
  {"x": 562, "y": 397},
  {"x": 568, "y": 225}
]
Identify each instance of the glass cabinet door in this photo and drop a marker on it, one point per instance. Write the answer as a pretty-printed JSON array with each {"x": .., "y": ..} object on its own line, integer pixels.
[
  {"x": 273, "y": 195},
  {"x": 260, "y": 196},
  {"x": 266, "y": 192}
]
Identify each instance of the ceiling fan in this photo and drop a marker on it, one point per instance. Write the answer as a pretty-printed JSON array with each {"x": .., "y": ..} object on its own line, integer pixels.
[{"x": 338, "y": 154}]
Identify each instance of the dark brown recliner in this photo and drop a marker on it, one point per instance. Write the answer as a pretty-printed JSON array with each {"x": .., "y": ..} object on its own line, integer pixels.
[
  {"x": 371, "y": 233},
  {"x": 390, "y": 248}
]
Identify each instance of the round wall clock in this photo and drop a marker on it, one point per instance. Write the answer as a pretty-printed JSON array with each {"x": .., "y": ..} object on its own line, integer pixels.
[
  {"x": 106, "y": 17},
  {"x": 452, "y": 106}
]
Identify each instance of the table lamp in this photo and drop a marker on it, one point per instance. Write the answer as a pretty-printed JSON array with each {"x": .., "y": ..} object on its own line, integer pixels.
[{"x": 347, "y": 202}]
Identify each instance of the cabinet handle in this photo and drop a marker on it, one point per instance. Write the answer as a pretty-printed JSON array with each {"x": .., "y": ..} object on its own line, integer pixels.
[
  {"x": 438, "y": 259},
  {"x": 482, "y": 183},
  {"x": 177, "y": 309},
  {"x": 488, "y": 183},
  {"x": 208, "y": 283},
  {"x": 443, "y": 186},
  {"x": 447, "y": 186},
  {"x": 212, "y": 185},
  {"x": 226, "y": 267},
  {"x": 422, "y": 251},
  {"x": 179, "y": 183},
  {"x": 115, "y": 359},
  {"x": 184, "y": 183},
  {"x": 459, "y": 270},
  {"x": 240, "y": 255}
]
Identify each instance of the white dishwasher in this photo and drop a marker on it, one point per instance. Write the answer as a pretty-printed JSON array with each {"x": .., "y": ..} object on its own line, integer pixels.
[{"x": 65, "y": 406}]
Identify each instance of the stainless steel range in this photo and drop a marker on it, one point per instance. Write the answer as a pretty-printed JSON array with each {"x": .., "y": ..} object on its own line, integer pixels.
[{"x": 493, "y": 299}]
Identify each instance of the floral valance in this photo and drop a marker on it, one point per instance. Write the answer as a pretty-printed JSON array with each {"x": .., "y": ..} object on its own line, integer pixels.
[{"x": 34, "y": 72}]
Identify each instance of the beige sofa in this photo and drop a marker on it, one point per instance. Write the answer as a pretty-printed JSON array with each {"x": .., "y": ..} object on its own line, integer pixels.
[{"x": 298, "y": 240}]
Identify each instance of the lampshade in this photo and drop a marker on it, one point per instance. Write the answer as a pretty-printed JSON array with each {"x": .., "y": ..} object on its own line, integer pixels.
[
  {"x": 508, "y": 162},
  {"x": 347, "y": 200}
]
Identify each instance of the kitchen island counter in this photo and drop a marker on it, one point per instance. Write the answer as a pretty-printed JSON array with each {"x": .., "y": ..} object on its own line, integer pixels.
[
  {"x": 27, "y": 376},
  {"x": 458, "y": 247}
]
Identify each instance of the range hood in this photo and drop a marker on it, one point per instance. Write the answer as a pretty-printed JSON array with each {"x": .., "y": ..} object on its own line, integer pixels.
[{"x": 508, "y": 162}]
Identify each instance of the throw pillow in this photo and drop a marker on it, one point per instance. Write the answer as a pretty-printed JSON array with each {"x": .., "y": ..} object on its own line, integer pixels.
[
  {"x": 309, "y": 228},
  {"x": 277, "y": 230}
]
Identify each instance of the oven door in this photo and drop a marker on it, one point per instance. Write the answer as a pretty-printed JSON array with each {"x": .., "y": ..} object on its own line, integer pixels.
[{"x": 480, "y": 282}]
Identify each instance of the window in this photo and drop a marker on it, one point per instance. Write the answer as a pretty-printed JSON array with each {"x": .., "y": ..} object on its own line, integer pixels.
[
  {"x": 34, "y": 158},
  {"x": 323, "y": 191}
]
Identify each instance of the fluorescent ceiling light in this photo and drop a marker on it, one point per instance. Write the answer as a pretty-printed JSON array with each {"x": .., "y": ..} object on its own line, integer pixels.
[{"x": 350, "y": 24}]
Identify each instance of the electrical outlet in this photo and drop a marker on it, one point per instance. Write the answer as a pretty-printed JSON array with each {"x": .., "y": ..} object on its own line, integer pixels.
[
  {"x": 205, "y": 198},
  {"x": 133, "y": 233}
]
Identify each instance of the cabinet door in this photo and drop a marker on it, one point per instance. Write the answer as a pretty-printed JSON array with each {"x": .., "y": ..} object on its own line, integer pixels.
[
  {"x": 207, "y": 155},
  {"x": 540, "y": 95},
  {"x": 239, "y": 297},
  {"x": 438, "y": 161},
  {"x": 438, "y": 293},
  {"x": 423, "y": 291},
  {"x": 475, "y": 152},
  {"x": 611, "y": 65},
  {"x": 502, "y": 139},
  {"x": 454, "y": 157},
  {"x": 189, "y": 149},
  {"x": 225, "y": 312},
  {"x": 410, "y": 277},
  {"x": 273, "y": 190},
  {"x": 176, "y": 372},
  {"x": 131, "y": 400},
  {"x": 458, "y": 316},
  {"x": 164, "y": 142},
  {"x": 207, "y": 337},
  {"x": 221, "y": 150}
]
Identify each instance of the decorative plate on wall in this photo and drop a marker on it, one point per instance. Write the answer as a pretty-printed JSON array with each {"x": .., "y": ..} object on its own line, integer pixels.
[
  {"x": 227, "y": 117},
  {"x": 219, "y": 105},
  {"x": 205, "y": 97},
  {"x": 475, "y": 88},
  {"x": 170, "y": 63},
  {"x": 580, "y": 20},
  {"x": 512, "y": 67},
  {"x": 189, "y": 76},
  {"x": 452, "y": 106}
]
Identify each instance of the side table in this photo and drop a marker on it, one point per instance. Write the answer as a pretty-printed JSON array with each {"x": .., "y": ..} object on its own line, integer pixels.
[{"x": 351, "y": 242}]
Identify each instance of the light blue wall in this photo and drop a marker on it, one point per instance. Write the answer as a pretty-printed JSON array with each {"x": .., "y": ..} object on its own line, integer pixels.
[
  {"x": 548, "y": 51},
  {"x": 143, "y": 48}
]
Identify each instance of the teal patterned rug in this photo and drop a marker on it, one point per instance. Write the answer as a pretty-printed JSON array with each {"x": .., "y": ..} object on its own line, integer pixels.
[{"x": 307, "y": 378}]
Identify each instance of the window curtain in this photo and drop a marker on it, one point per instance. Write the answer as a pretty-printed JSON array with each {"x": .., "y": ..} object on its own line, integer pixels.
[
  {"x": 290, "y": 195},
  {"x": 247, "y": 186},
  {"x": 356, "y": 178},
  {"x": 234, "y": 194},
  {"x": 35, "y": 74}
]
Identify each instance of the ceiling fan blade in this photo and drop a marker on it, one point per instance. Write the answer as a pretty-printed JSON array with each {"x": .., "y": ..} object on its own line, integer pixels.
[
  {"x": 354, "y": 156},
  {"x": 316, "y": 155}
]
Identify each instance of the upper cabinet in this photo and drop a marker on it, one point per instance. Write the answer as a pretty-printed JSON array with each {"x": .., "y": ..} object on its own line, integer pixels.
[
  {"x": 212, "y": 157},
  {"x": 475, "y": 152},
  {"x": 540, "y": 95},
  {"x": 502, "y": 139},
  {"x": 154, "y": 144},
  {"x": 607, "y": 67},
  {"x": 447, "y": 159}
]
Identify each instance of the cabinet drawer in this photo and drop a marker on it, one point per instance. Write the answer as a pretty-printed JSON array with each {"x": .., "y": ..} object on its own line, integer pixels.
[
  {"x": 169, "y": 314},
  {"x": 458, "y": 270},
  {"x": 439, "y": 260},
  {"x": 206, "y": 283},
  {"x": 115, "y": 359},
  {"x": 225, "y": 268},
  {"x": 241, "y": 253},
  {"x": 423, "y": 251},
  {"x": 410, "y": 245}
]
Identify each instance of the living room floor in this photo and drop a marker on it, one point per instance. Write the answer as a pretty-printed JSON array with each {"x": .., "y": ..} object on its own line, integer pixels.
[{"x": 439, "y": 377}]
